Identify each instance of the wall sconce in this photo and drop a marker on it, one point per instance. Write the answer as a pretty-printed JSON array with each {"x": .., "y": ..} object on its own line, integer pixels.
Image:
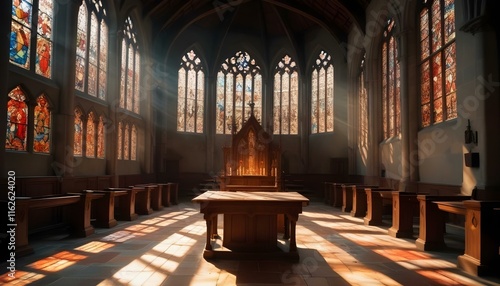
[
  {"x": 471, "y": 159},
  {"x": 470, "y": 136}
]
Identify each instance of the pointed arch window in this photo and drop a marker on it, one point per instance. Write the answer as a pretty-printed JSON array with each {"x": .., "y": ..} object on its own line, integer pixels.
[
  {"x": 133, "y": 143},
  {"x": 130, "y": 69},
  {"x": 438, "y": 94},
  {"x": 286, "y": 96},
  {"x": 120, "y": 141},
  {"x": 100, "y": 138},
  {"x": 391, "y": 116},
  {"x": 90, "y": 136},
  {"x": 239, "y": 83},
  {"x": 32, "y": 25},
  {"x": 322, "y": 94},
  {"x": 363, "y": 106},
  {"x": 191, "y": 91},
  {"x": 78, "y": 137},
  {"x": 126, "y": 142},
  {"x": 42, "y": 119},
  {"x": 17, "y": 120},
  {"x": 92, "y": 49}
]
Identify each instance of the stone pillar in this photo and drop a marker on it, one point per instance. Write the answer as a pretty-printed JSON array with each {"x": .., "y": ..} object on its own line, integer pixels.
[
  {"x": 5, "y": 18},
  {"x": 64, "y": 74},
  {"x": 113, "y": 94}
]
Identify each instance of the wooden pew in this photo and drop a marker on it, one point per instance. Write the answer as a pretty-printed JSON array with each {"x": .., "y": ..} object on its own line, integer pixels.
[
  {"x": 105, "y": 208},
  {"x": 155, "y": 195},
  {"x": 174, "y": 192},
  {"x": 81, "y": 214},
  {"x": 165, "y": 190},
  {"x": 142, "y": 200},
  {"x": 482, "y": 236},
  {"x": 359, "y": 205},
  {"x": 375, "y": 204},
  {"x": 432, "y": 221},
  {"x": 334, "y": 193},
  {"x": 404, "y": 208},
  {"x": 125, "y": 209},
  {"x": 24, "y": 204}
]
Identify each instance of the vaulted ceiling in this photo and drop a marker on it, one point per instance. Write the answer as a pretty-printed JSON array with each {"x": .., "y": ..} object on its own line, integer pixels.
[{"x": 270, "y": 17}]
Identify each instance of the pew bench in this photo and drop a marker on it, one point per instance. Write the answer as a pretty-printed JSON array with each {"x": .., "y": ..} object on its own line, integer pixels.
[
  {"x": 376, "y": 199},
  {"x": 155, "y": 195},
  {"x": 405, "y": 207},
  {"x": 105, "y": 208},
  {"x": 432, "y": 220},
  {"x": 142, "y": 200},
  {"x": 482, "y": 235},
  {"x": 165, "y": 190},
  {"x": 359, "y": 203},
  {"x": 125, "y": 207},
  {"x": 24, "y": 204},
  {"x": 174, "y": 192}
]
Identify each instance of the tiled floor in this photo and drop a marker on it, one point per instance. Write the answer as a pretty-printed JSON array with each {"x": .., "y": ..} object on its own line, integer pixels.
[{"x": 166, "y": 248}]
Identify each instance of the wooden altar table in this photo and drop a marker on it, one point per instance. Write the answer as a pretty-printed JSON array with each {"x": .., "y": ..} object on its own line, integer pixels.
[{"x": 250, "y": 220}]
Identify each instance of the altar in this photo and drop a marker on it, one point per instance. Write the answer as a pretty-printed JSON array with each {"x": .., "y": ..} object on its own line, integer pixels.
[
  {"x": 250, "y": 222},
  {"x": 252, "y": 162}
]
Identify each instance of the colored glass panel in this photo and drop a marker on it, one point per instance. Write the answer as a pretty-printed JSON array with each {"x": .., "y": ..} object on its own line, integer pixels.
[
  {"x": 123, "y": 73},
  {"x": 78, "y": 137},
  {"x": 20, "y": 35},
  {"x": 81, "y": 47},
  {"x": 243, "y": 74},
  {"x": 391, "y": 120},
  {"x": 220, "y": 104},
  {"x": 437, "y": 26},
  {"x": 44, "y": 38},
  {"x": 90, "y": 136},
  {"x": 42, "y": 118},
  {"x": 100, "y": 138},
  {"x": 323, "y": 93},
  {"x": 133, "y": 143},
  {"x": 17, "y": 120},
  {"x": 126, "y": 142},
  {"x": 190, "y": 94},
  {"x": 285, "y": 97},
  {"x": 103, "y": 60},
  {"x": 120, "y": 141},
  {"x": 137, "y": 70}
]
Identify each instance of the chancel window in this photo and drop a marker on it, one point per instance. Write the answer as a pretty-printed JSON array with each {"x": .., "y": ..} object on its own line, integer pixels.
[
  {"x": 391, "y": 86},
  {"x": 78, "y": 137},
  {"x": 130, "y": 69},
  {"x": 92, "y": 49},
  {"x": 239, "y": 84},
  {"x": 17, "y": 120},
  {"x": 286, "y": 96},
  {"x": 438, "y": 96},
  {"x": 119, "y": 138},
  {"x": 191, "y": 87},
  {"x": 31, "y": 26},
  {"x": 42, "y": 119},
  {"x": 322, "y": 94}
]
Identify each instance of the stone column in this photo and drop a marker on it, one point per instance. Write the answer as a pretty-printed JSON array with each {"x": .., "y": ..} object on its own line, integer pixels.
[
  {"x": 64, "y": 74},
  {"x": 5, "y": 18}
]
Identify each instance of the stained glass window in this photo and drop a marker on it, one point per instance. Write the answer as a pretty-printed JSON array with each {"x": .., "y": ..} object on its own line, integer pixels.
[
  {"x": 438, "y": 99},
  {"x": 100, "y": 138},
  {"x": 130, "y": 69},
  {"x": 41, "y": 140},
  {"x": 191, "y": 92},
  {"x": 239, "y": 83},
  {"x": 90, "y": 137},
  {"x": 120, "y": 141},
  {"x": 363, "y": 106},
  {"x": 37, "y": 22},
  {"x": 126, "y": 142},
  {"x": 92, "y": 49},
  {"x": 17, "y": 120},
  {"x": 286, "y": 96},
  {"x": 133, "y": 143},
  {"x": 391, "y": 118},
  {"x": 78, "y": 142},
  {"x": 322, "y": 94}
]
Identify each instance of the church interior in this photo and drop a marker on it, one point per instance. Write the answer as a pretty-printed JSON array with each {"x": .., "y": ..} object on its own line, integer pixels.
[{"x": 363, "y": 132}]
